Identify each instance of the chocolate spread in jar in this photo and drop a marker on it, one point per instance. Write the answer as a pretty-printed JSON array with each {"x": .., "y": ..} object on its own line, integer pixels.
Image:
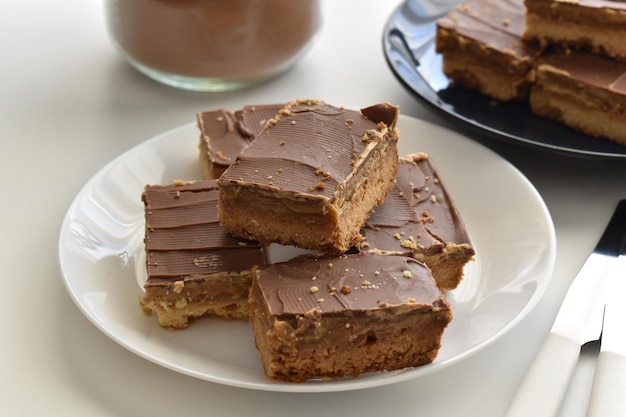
[{"x": 234, "y": 39}]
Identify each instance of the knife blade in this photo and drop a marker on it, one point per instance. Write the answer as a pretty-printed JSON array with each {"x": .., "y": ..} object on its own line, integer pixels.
[
  {"x": 608, "y": 393},
  {"x": 578, "y": 321}
]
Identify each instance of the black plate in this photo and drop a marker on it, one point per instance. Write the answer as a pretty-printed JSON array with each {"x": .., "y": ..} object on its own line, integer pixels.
[{"x": 408, "y": 43}]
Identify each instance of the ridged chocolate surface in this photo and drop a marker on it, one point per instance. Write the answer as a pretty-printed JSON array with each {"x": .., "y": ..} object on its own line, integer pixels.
[
  {"x": 357, "y": 282},
  {"x": 496, "y": 23},
  {"x": 418, "y": 214},
  {"x": 311, "y": 148},
  {"x": 585, "y": 68},
  {"x": 226, "y": 134},
  {"x": 183, "y": 236}
]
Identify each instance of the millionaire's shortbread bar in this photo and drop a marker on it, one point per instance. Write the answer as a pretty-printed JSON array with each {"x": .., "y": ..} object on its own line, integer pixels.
[
  {"x": 585, "y": 91},
  {"x": 195, "y": 268},
  {"x": 482, "y": 48},
  {"x": 312, "y": 176},
  {"x": 331, "y": 317},
  {"x": 419, "y": 219}
]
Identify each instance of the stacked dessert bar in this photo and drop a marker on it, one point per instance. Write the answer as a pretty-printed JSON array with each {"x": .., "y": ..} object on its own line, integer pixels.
[
  {"x": 385, "y": 239},
  {"x": 568, "y": 58},
  {"x": 195, "y": 267}
]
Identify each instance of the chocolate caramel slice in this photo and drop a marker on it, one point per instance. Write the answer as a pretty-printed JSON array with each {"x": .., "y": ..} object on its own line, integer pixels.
[
  {"x": 312, "y": 176},
  {"x": 332, "y": 317},
  {"x": 482, "y": 48},
  {"x": 419, "y": 219},
  {"x": 195, "y": 267}
]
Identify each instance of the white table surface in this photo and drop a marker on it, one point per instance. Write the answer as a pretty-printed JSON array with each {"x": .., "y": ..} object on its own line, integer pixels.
[{"x": 69, "y": 104}]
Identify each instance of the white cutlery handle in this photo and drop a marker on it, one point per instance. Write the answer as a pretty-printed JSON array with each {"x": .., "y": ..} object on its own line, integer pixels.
[
  {"x": 543, "y": 388},
  {"x": 608, "y": 395}
]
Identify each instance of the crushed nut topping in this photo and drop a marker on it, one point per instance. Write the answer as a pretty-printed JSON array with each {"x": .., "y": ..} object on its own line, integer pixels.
[
  {"x": 319, "y": 187},
  {"x": 178, "y": 287},
  {"x": 409, "y": 243},
  {"x": 426, "y": 217}
]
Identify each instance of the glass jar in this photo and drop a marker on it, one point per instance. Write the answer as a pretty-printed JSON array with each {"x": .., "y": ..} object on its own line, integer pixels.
[{"x": 212, "y": 45}]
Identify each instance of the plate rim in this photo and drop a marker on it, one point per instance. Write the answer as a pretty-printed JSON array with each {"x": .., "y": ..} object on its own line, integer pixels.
[
  {"x": 332, "y": 386},
  {"x": 483, "y": 130}
]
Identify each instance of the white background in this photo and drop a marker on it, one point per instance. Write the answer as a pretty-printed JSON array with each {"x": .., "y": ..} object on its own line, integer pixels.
[{"x": 69, "y": 105}]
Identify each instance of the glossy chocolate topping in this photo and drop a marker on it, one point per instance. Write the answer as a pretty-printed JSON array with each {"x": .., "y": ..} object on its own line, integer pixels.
[
  {"x": 183, "y": 236},
  {"x": 418, "y": 214},
  {"x": 226, "y": 134},
  {"x": 312, "y": 147},
  {"x": 496, "y": 23},
  {"x": 357, "y": 282},
  {"x": 586, "y": 68}
]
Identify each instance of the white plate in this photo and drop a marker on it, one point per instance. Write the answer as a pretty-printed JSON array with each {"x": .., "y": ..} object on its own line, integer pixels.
[{"x": 101, "y": 258}]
